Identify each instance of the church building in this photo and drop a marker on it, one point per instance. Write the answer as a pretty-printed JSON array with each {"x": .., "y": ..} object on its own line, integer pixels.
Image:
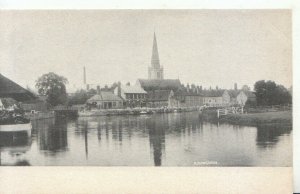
[
  {"x": 156, "y": 79},
  {"x": 165, "y": 92}
]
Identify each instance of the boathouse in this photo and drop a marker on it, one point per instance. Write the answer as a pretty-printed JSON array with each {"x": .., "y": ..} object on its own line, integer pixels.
[
  {"x": 133, "y": 96},
  {"x": 10, "y": 89},
  {"x": 105, "y": 100}
]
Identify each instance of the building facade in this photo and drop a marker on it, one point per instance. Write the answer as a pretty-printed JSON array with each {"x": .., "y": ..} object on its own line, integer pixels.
[
  {"x": 105, "y": 100},
  {"x": 216, "y": 98},
  {"x": 133, "y": 96},
  {"x": 244, "y": 96},
  {"x": 159, "y": 98}
]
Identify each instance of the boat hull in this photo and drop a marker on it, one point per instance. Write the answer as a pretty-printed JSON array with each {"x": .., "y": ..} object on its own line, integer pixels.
[{"x": 16, "y": 128}]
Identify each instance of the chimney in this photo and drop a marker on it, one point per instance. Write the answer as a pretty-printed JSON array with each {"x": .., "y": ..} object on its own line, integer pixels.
[
  {"x": 217, "y": 88},
  {"x": 98, "y": 89},
  {"x": 128, "y": 84},
  {"x": 235, "y": 86},
  {"x": 193, "y": 88},
  {"x": 200, "y": 88},
  {"x": 87, "y": 87},
  {"x": 119, "y": 89},
  {"x": 84, "y": 76},
  {"x": 188, "y": 88}
]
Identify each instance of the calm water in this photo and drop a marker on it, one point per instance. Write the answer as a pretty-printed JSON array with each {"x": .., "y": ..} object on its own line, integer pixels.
[{"x": 152, "y": 140}]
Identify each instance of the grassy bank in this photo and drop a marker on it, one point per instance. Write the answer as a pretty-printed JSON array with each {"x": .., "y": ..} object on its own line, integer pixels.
[{"x": 281, "y": 117}]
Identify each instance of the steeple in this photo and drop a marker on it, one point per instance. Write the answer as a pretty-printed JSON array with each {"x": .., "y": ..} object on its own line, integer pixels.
[
  {"x": 84, "y": 76},
  {"x": 155, "y": 57},
  {"x": 155, "y": 71}
]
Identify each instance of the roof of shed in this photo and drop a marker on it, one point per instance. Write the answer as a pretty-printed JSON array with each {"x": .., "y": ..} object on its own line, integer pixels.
[{"x": 10, "y": 89}]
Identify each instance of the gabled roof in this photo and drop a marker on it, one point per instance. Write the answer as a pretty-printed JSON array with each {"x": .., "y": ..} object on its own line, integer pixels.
[
  {"x": 133, "y": 89},
  {"x": 160, "y": 84},
  {"x": 159, "y": 95},
  {"x": 105, "y": 96},
  {"x": 235, "y": 93},
  {"x": 9, "y": 89}
]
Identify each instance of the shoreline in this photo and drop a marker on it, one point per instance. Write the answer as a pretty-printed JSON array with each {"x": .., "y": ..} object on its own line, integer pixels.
[
  {"x": 137, "y": 111},
  {"x": 251, "y": 119},
  {"x": 255, "y": 119}
]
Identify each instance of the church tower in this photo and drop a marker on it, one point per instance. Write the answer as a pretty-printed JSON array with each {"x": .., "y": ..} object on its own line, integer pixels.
[{"x": 155, "y": 71}]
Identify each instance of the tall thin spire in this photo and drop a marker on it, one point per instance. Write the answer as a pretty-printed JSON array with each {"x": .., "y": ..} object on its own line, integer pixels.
[
  {"x": 155, "y": 57},
  {"x": 84, "y": 75},
  {"x": 155, "y": 71}
]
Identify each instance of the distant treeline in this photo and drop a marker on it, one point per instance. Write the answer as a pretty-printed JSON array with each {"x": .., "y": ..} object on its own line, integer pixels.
[{"x": 269, "y": 93}]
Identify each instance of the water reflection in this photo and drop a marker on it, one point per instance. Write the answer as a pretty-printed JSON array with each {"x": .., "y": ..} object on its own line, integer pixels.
[
  {"x": 269, "y": 135},
  {"x": 13, "y": 146},
  {"x": 178, "y": 139},
  {"x": 157, "y": 137},
  {"x": 52, "y": 135}
]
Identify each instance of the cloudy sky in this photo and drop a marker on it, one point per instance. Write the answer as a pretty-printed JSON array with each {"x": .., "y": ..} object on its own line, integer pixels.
[{"x": 205, "y": 47}]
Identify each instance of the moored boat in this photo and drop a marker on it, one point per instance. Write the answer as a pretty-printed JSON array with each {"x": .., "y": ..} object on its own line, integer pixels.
[
  {"x": 143, "y": 112},
  {"x": 16, "y": 128}
]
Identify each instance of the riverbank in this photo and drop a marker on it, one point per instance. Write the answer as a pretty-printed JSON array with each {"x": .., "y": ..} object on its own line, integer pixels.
[
  {"x": 280, "y": 117},
  {"x": 40, "y": 115},
  {"x": 134, "y": 111}
]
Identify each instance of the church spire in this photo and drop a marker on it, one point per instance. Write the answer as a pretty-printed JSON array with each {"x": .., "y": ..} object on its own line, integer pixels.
[
  {"x": 155, "y": 71},
  {"x": 155, "y": 57}
]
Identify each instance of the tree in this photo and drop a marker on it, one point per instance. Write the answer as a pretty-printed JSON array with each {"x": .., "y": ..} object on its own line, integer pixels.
[
  {"x": 53, "y": 86},
  {"x": 269, "y": 93}
]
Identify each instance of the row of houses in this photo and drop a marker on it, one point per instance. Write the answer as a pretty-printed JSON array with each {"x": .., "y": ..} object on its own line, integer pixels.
[
  {"x": 144, "y": 93},
  {"x": 159, "y": 92},
  {"x": 167, "y": 93}
]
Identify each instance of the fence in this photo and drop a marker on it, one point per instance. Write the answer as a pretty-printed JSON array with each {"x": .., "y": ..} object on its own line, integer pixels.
[{"x": 232, "y": 110}]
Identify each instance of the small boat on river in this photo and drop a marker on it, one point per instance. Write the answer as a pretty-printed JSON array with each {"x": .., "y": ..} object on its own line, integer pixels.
[
  {"x": 16, "y": 128},
  {"x": 143, "y": 112}
]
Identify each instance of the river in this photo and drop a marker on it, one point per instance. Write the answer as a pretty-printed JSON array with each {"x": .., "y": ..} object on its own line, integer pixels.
[{"x": 175, "y": 139}]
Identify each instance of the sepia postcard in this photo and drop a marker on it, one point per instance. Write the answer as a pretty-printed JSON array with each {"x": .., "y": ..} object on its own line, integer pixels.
[{"x": 147, "y": 88}]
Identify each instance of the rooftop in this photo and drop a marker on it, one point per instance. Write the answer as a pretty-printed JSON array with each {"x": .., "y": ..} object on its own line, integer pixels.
[
  {"x": 10, "y": 89},
  {"x": 133, "y": 89},
  {"x": 104, "y": 96},
  {"x": 159, "y": 84}
]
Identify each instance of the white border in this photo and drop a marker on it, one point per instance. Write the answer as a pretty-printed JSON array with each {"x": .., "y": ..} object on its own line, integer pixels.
[
  {"x": 151, "y": 4},
  {"x": 194, "y": 4}
]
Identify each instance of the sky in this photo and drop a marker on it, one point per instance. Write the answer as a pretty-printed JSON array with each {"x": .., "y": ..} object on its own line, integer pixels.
[{"x": 204, "y": 47}]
